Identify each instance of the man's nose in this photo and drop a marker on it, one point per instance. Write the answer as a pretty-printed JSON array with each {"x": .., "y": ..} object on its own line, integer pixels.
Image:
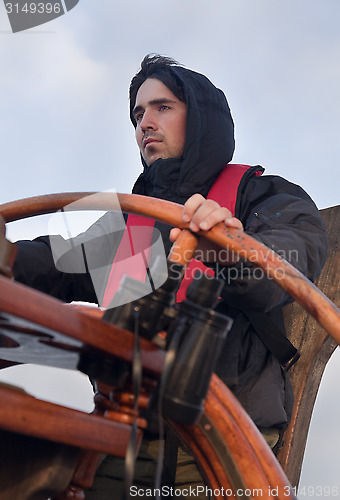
[{"x": 148, "y": 121}]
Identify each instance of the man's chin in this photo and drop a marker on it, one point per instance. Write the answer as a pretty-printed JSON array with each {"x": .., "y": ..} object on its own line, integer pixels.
[{"x": 150, "y": 161}]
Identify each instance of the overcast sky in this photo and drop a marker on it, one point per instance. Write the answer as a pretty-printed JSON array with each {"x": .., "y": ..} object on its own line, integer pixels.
[{"x": 64, "y": 123}]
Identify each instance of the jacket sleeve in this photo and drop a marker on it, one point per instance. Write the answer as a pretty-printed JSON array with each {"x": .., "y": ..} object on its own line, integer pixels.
[
  {"x": 34, "y": 266},
  {"x": 70, "y": 270},
  {"x": 282, "y": 216}
]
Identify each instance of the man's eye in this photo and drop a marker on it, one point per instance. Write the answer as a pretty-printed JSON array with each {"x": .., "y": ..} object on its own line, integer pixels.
[
  {"x": 164, "y": 107},
  {"x": 139, "y": 117}
]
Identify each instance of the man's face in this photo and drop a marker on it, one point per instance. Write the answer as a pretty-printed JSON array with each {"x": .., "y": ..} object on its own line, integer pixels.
[{"x": 161, "y": 121}]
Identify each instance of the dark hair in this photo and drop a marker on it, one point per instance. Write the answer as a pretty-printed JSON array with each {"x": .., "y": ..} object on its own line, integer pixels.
[{"x": 155, "y": 66}]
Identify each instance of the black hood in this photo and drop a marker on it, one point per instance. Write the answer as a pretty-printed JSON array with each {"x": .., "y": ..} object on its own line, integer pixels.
[{"x": 209, "y": 144}]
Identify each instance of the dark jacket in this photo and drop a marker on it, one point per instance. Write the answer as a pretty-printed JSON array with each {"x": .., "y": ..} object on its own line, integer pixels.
[
  {"x": 272, "y": 210},
  {"x": 282, "y": 216}
]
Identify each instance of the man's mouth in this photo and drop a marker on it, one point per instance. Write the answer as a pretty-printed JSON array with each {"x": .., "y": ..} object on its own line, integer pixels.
[{"x": 149, "y": 140}]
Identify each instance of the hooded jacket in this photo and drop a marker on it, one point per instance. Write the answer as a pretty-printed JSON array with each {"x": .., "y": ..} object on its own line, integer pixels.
[
  {"x": 209, "y": 144},
  {"x": 272, "y": 210}
]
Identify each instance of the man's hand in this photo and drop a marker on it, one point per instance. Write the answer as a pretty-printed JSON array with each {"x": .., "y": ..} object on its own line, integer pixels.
[{"x": 202, "y": 214}]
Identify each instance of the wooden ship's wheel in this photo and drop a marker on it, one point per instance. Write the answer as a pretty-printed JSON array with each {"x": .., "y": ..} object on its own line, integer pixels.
[{"x": 35, "y": 328}]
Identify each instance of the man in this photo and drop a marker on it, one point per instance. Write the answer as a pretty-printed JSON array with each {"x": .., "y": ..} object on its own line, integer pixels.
[
  {"x": 165, "y": 99},
  {"x": 185, "y": 134}
]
